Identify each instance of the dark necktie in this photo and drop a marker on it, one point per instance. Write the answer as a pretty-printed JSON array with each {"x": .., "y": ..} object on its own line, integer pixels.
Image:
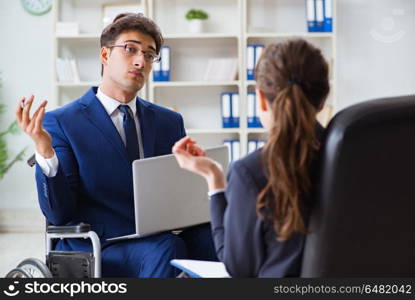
[{"x": 130, "y": 134}]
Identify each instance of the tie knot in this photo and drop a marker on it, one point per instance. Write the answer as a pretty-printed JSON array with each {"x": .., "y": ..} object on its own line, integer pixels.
[{"x": 125, "y": 109}]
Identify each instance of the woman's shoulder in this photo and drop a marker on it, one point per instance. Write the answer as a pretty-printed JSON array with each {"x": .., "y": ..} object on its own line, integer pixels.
[{"x": 250, "y": 166}]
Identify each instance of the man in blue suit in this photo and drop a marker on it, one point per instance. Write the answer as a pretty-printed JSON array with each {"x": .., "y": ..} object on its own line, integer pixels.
[{"x": 84, "y": 152}]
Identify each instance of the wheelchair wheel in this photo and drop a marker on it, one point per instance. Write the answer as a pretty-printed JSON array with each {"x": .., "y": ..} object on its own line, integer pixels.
[
  {"x": 32, "y": 267},
  {"x": 18, "y": 273}
]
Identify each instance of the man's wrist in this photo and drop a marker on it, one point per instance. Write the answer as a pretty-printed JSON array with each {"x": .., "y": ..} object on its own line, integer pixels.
[{"x": 47, "y": 152}]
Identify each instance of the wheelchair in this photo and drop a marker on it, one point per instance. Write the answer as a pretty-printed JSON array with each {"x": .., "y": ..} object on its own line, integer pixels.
[{"x": 63, "y": 264}]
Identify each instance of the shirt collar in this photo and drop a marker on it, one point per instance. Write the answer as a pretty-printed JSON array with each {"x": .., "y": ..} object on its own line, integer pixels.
[{"x": 111, "y": 105}]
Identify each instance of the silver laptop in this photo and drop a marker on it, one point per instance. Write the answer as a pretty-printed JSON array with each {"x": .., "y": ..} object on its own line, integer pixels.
[{"x": 166, "y": 197}]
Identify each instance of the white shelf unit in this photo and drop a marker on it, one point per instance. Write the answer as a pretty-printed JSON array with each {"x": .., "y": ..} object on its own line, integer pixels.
[
  {"x": 231, "y": 26},
  {"x": 193, "y": 83},
  {"x": 83, "y": 47}
]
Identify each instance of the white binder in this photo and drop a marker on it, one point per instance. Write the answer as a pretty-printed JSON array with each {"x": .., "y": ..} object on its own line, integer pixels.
[
  {"x": 311, "y": 15},
  {"x": 226, "y": 110},
  {"x": 165, "y": 63},
  {"x": 258, "y": 52},
  {"x": 319, "y": 15},
  {"x": 235, "y": 150},
  {"x": 260, "y": 144},
  {"x": 250, "y": 61},
  {"x": 228, "y": 143},
  {"x": 235, "y": 109},
  {"x": 156, "y": 71},
  {"x": 251, "y": 109},
  {"x": 252, "y": 145}
]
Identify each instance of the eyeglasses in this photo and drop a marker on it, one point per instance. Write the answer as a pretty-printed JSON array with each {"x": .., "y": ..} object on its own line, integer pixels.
[{"x": 132, "y": 50}]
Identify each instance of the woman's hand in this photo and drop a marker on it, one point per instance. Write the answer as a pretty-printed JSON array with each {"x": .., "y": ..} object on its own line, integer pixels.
[{"x": 193, "y": 158}]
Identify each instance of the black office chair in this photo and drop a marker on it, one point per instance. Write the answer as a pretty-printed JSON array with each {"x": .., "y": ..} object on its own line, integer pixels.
[{"x": 363, "y": 222}]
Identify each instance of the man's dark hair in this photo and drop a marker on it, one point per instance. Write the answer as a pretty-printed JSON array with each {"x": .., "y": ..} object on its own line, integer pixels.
[{"x": 131, "y": 22}]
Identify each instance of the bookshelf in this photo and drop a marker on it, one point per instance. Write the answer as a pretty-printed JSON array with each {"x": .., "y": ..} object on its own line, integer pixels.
[
  {"x": 200, "y": 83},
  {"x": 232, "y": 25},
  {"x": 83, "y": 47}
]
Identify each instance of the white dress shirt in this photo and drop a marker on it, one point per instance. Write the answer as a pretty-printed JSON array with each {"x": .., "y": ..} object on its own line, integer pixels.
[
  {"x": 49, "y": 166},
  {"x": 214, "y": 192}
]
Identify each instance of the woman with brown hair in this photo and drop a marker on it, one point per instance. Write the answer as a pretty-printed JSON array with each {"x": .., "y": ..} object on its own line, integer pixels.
[{"x": 259, "y": 220}]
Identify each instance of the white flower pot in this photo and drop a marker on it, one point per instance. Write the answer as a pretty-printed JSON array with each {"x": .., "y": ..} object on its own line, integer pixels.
[{"x": 196, "y": 26}]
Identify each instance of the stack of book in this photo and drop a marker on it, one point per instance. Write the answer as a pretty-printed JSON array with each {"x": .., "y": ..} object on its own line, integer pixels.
[
  {"x": 221, "y": 69},
  {"x": 67, "y": 70}
]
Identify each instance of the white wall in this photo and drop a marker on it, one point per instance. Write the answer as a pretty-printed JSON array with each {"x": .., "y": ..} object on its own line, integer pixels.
[
  {"x": 376, "y": 45},
  {"x": 26, "y": 66},
  {"x": 368, "y": 67}
]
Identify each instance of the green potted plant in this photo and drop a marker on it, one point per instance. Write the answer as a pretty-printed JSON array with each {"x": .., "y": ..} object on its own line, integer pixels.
[
  {"x": 196, "y": 19},
  {"x": 5, "y": 162}
]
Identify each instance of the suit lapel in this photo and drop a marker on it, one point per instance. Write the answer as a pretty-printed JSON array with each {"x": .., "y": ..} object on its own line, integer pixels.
[
  {"x": 97, "y": 114},
  {"x": 148, "y": 127}
]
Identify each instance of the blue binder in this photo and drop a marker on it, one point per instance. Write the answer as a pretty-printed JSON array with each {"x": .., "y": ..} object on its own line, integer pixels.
[
  {"x": 257, "y": 122},
  {"x": 258, "y": 52},
  {"x": 229, "y": 144},
  {"x": 233, "y": 146},
  {"x": 234, "y": 110},
  {"x": 161, "y": 69},
  {"x": 252, "y": 145},
  {"x": 250, "y": 62},
  {"x": 252, "y": 56},
  {"x": 226, "y": 110},
  {"x": 311, "y": 15},
  {"x": 260, "y": 144},
  {"x": 319, "y": 15},
  {"x": 235, "y": 150},
  {"x": 165, "y": 63},
  {"x": 251, "y": 110},
  {"x": 255, "y": 144},
  {"x": 328, "y": 15},
  {"x": 157, "y": 71}
]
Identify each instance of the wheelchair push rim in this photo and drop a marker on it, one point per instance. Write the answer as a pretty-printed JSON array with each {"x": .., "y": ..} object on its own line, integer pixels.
[{"x": 30, "y": 268}]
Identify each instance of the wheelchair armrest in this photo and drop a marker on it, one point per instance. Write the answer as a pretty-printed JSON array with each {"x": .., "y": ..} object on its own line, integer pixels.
[
  {"x": 80, "y": 228},
  {"x": 31, "y": 161}
]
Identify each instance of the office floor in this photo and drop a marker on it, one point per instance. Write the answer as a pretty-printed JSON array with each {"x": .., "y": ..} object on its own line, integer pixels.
[{"x": 14, "y": 247}]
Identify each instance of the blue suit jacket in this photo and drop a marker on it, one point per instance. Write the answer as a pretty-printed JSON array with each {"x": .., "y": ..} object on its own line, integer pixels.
[{"x": 94, "y": 181}]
